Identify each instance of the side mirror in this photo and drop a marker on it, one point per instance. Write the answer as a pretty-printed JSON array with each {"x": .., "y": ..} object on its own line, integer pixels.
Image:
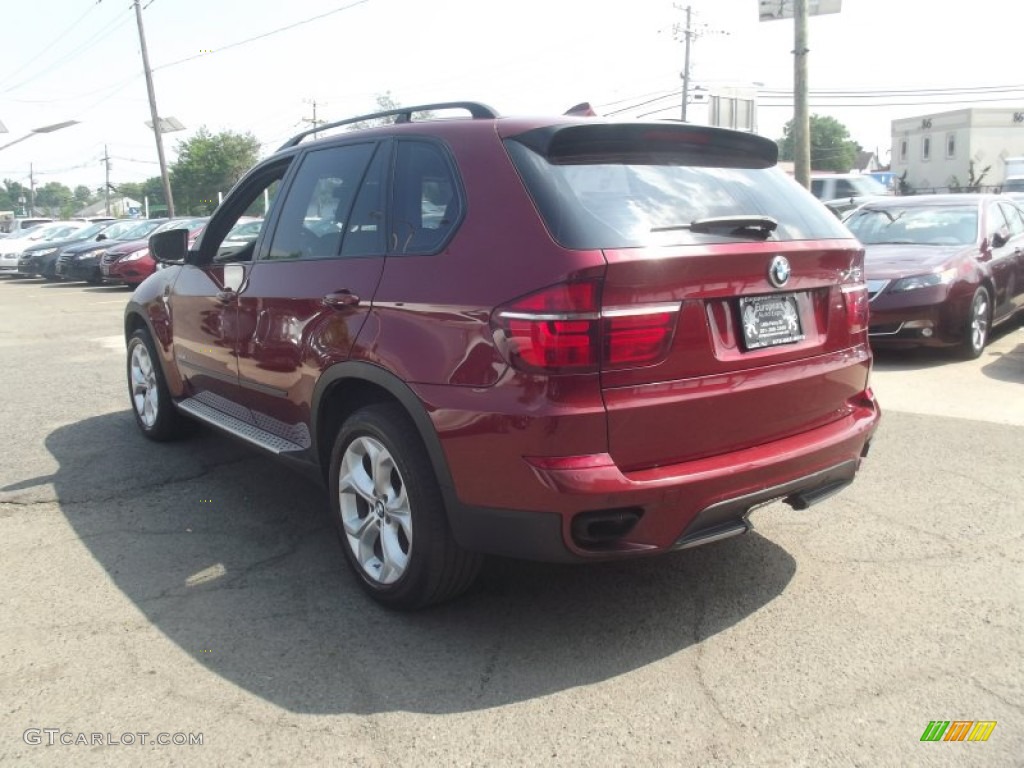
[
  {"x": 100, "y": 236},
  {"x": 1000, "y": 238},
  {"x": 170, "y": 246}
]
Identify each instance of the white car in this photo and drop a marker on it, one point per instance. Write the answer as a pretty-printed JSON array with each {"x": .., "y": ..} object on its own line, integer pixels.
[
  {"x": 842, "y": 192},
  {"x": 11, "y": 248}
]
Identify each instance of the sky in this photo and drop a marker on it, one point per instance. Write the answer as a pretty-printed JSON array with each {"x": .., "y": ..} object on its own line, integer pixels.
[{"x": 259, "y": 65}]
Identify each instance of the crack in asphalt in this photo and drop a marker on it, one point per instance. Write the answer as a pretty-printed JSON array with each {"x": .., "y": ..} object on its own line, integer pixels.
[
  {"x": 236, "y": 575},
  {"x": 997, "y": 696},
  {"x": 126, "y": 493},
  {"x": 698, "y": 668}
]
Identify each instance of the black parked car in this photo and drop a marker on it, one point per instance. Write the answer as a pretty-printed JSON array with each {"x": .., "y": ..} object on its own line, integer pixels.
[
  {"x": 82, "y": 261},
  {"x": 41, "y": 258}
]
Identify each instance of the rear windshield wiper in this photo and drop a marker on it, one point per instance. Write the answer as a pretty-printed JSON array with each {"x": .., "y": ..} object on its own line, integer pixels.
[{"x": 741, "y": 226}]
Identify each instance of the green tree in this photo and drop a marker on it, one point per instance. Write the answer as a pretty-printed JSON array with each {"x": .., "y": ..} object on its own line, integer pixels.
[
  {"x": 9, "y": 194},
  {"x": 386, "y": 102},
  {"x": 132, "y": 189},
  {"x": 54, "y": 198},
  {"x": 83, "y": 195},
  {"x": 207, "y": 164},
  {"x": 831, "y": 146}
]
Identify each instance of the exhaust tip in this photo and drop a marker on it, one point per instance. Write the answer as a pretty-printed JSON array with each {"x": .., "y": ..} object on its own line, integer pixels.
[
  {"x": 806, "y": 499},
  {"x": 601, "y": 528}
]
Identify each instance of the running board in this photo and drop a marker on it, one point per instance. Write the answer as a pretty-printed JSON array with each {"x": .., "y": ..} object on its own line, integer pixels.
[{"x": 244, "y": 430}]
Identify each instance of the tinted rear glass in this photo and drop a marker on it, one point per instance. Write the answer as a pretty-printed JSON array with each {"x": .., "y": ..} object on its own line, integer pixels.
[
  {"x": 918, "y": 225},
  {"x": 636, "y": 200}
]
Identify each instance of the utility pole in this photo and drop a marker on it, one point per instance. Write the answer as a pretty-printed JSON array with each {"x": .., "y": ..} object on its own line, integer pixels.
[
  {"x": 314, "y": 122},
  {"x": 687, "y": 33},
  {"x": 155, "y": 115},
  {"x": 32, "y": 191},
  {"x": 801, "y": 119},
  {"x": 106, "y": 185}
]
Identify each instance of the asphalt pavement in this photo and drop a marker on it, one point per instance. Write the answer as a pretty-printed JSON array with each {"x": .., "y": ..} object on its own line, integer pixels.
[{"x": 196, "y": 592}]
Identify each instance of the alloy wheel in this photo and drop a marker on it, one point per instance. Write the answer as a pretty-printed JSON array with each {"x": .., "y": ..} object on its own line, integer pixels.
[
  {"x": 145, "y": 395},
  {"x": 375, "y": 511},
  {"x": 979, "y": 321}
]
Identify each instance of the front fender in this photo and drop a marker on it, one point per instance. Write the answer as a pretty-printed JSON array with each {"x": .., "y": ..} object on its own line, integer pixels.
[{"x": 148, "y": 308}]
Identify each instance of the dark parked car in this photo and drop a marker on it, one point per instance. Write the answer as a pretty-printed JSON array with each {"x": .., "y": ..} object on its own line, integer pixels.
[
  {"x": 941, "y": 269},
  {"x": 242, "y": 235},
  {"x": 562, "y": 338},
  {"x": 82, "y": 261},
  {"x": 130, "y": 263},
  {"x": 41, "y": 259}
]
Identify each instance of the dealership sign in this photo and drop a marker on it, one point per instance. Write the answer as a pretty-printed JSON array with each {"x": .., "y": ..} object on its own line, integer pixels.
[{"x": 771, "y": 10}]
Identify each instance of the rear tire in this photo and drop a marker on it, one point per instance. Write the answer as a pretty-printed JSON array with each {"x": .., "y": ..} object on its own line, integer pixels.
[
  {"x": 977, "y": 325},
  {"x": 390, "y": 514},
  {"x": 151, "y": 402}
]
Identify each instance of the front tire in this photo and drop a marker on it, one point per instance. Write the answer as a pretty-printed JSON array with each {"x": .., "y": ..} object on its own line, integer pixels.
[
  {"x": 151, "y": 402},
  {"x": 390, "y": 513},
  {"x": 977, "y": 325}
]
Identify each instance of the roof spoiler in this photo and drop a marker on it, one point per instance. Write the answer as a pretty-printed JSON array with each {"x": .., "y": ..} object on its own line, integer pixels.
[{"x": 583, "y": 109}]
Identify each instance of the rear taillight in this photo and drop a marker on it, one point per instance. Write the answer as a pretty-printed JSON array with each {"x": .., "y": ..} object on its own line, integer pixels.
[
  {"x": 564, "y": 329},
  {"x": 855, "y": 300}
]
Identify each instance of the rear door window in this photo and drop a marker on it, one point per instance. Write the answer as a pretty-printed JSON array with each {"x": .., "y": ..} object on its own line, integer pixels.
[{"x": 427, "y": 202}]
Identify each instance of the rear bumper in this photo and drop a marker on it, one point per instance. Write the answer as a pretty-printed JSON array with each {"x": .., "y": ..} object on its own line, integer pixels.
[{"x": 675, "y": 506}]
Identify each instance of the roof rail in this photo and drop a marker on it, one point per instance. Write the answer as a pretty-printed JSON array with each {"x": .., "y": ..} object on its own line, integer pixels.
[{"x": 477, "y": 110}]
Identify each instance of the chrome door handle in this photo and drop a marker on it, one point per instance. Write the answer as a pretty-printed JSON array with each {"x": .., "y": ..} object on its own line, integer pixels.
[{"x": 340, "y": 299}]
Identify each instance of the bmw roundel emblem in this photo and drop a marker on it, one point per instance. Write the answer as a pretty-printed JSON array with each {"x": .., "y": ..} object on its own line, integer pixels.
[{"x": 778, "y": 271}]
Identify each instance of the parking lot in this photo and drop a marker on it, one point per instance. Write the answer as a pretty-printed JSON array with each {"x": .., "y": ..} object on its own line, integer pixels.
[{"x": 198, "y": 588}]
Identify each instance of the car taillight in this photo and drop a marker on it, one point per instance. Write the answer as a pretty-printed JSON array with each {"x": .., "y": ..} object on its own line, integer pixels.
[
  {"x": 564, "y": 329},
  {"x": 855, "y": 300},
  {"x": 637, "y": 335}
]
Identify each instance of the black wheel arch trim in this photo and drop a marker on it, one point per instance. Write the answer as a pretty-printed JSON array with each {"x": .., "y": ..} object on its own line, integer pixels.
[{"x": 374, "y": 374}]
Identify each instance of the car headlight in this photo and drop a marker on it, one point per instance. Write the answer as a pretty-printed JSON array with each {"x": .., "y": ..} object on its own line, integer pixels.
[
  {"x": 137, "y": 255},
  {"x": 44, "y": 252},
  {"x": 945, "y": 277}
]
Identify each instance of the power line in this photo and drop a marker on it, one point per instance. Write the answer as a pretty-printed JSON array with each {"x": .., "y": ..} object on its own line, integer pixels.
[
  {"x": 960, "y": 102},
  {"x": 48, "y": 48},
  {"x": 261, "y": 36},
  {"x": 900, "y": 92},
  {"x": 107, "y": 30}
]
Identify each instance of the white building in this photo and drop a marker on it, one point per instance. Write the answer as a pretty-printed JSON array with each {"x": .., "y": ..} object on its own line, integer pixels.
[
  {"x": 724, "y": 106},
  {"x": 936, "y": 150}
]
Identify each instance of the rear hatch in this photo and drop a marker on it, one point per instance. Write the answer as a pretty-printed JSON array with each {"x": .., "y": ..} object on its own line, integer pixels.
[{"x": 733, "y": 309}]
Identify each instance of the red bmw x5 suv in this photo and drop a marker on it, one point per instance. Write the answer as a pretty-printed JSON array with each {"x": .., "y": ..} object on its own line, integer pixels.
[{"x": 557, "y": 338}]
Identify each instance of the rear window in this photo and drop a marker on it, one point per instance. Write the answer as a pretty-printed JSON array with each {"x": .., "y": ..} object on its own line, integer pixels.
[
  {"x": 915, "y": 225},
  {"x": 635, "y": 197}
]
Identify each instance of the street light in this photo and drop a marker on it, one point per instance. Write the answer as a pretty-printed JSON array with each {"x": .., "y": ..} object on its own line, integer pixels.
[
  {"x": 167, "y": 124},
  {"x": 44, "y": 129}
]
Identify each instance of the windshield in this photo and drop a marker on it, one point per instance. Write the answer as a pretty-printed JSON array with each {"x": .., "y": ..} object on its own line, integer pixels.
[
  {"x": 140, "y": 230},
  {"x": 246, "y": 229},
  {"x": 119, "y": 229},
  {"x": 59, "y": 233},
  {"x": 91, "y": 231},
  {"x": 918, "y": 225},
  {"x": 180, "y": 224}
]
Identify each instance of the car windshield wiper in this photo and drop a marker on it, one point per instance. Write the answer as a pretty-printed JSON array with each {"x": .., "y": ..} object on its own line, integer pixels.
[{"x": 743, "y": 226}]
